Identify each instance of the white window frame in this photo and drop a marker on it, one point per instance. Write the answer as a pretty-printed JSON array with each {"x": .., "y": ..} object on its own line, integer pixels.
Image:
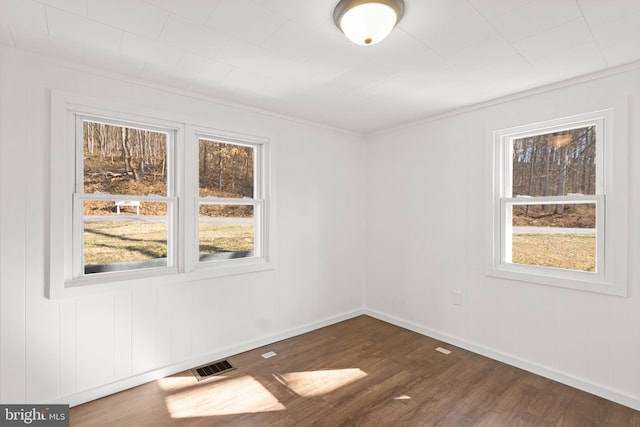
[
  {"x": 65, "y": 237},
  {"x": 78, "y": 275},
  {"x": 261, "y": 176},
  {"x": 608, "y": 277}
]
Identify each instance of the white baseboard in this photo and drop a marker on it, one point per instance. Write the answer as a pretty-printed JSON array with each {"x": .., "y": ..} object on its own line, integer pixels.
[
  {"x": 136, "y": 380},
  {"x": 553, "y": 374}
]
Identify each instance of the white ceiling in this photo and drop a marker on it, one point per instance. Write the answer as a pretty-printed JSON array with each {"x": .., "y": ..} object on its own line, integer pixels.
[{"x": 286, "y": 56}]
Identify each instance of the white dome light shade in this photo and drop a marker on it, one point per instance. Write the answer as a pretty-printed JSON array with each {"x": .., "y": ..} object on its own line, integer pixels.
[{"x": 367, "y": 22}]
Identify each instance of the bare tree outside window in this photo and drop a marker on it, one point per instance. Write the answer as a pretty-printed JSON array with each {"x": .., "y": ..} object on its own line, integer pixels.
[
  {"x": 227, "y": 199},
  {"x": 559, "y": 235},
  {"x": 123, "y": 228}
]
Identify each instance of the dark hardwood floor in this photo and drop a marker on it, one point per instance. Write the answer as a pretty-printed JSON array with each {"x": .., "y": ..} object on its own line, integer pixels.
[{"x": 361, "y": 372}]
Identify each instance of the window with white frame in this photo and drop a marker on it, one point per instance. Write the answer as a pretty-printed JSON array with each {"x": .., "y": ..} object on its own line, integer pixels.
[
  {"x": 550, "y": 202},
  {"x": 230, "y": 199},
  {"x": 141, "y": 199},
  {"x": 124, "y": 204}
]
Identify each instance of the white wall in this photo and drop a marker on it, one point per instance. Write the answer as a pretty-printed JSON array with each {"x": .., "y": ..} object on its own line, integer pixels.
[
  {"x": 426, "y": 235},
  {"x": 71, "y": 350},
  {"x": 424, "y": 205}
]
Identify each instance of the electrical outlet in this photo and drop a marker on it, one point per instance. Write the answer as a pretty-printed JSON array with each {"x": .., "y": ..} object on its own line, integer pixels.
[{"x": 456, "y": 297}]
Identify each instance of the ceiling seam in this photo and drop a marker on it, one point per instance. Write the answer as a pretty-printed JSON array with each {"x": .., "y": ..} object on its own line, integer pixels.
[
  {"x": 46, "y": 19},
  {"x": 504, "y": 38},
  {"x": 593, "y": 36}
]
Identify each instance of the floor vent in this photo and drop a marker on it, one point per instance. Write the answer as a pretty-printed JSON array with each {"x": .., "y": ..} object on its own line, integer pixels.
[{"x": 216, "y": 368}]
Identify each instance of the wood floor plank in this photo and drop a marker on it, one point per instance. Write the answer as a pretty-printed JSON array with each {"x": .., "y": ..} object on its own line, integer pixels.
[{"x": 361, "y": 372}]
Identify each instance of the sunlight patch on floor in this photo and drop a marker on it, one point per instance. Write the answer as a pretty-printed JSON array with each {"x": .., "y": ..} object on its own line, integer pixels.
[
  {"x": 176, "y": 383},
  {"x": 235, "y": 396},
  {"x": 403, "y": 397},
  {"x": 321, "y": 382}
]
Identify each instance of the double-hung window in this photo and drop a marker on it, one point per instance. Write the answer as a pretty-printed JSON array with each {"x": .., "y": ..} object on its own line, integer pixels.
[
  {"x": 230, "y": 199},
  {"x": 141, "y": 198},
  {"x": 124, "y": 201},
  {"x": 550, "y": 216}
]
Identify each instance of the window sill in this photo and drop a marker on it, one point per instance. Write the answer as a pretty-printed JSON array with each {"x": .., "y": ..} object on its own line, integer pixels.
[
  {"x": 220, "y": 268},
  {"x": 576, "y": 280},
  {"x": 123, "y": 281}
]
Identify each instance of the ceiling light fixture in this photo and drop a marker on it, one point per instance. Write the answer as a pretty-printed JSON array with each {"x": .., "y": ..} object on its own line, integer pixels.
[{"x": 367, "y": 22}]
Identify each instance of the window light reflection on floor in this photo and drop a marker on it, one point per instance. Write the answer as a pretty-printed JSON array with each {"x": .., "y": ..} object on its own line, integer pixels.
[
  {"x": 228, "y": 395},
  {"x": 176, "y": 383},
  {"x": 320, "y": 382},
  {"x": 240, "y": 395},
  {"x": 403, "y": 397}
]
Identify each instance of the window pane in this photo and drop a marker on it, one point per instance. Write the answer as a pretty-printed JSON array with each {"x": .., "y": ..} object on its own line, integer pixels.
[
  {"x": 559, "y": 236},
  {"x": 555, "y": 164},
  {"x": 226, "y": 170},
  {"x": 124, "y": 160},
  {"x": 125, "y": 241},
  {"x": 226, "y": 231}
]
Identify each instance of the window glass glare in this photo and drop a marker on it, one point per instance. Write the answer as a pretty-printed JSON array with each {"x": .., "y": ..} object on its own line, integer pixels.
[
  {"x": 226, "y": 231},
  {"x": 555, "y": 164},
  {"x": 555, "y": 235},
  {"x": 132, "y": 239},
  {"x": 124, "y": 160},
  {"x": 226, "y": 170}
]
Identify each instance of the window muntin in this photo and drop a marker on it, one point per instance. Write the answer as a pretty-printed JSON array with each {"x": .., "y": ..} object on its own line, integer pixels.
[
  {"x": 230, "y": 203},
  {"x": 550, "y": 200},
  {"x": 123, "y": 200}
]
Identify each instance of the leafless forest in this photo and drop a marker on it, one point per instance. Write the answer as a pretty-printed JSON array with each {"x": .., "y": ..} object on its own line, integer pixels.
[
  {"x": 225, "y": 170},
  {"x": 128, "y": 161},
  {"x": 555, "y": 164}
]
